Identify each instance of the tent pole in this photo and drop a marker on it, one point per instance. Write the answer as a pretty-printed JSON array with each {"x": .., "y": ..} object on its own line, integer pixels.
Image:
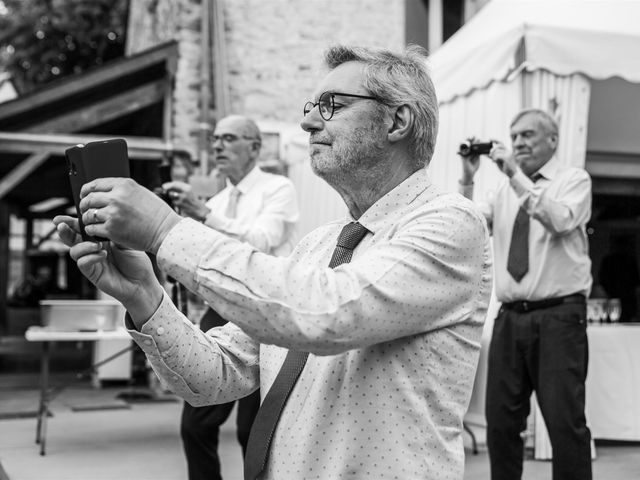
[
  {"x": 204, "y": 127},
  {"x": 435, "y": 25}
]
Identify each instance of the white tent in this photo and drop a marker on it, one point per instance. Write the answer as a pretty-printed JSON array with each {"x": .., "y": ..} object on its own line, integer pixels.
[
  {"x": 592, "y": 37},
  {"x": 577, "y": 59}
]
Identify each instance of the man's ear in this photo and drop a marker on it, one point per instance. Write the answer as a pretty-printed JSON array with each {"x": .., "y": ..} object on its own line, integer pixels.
[
  {"x": 553, "y": 141},
  {"x": 402, "y": 121}
]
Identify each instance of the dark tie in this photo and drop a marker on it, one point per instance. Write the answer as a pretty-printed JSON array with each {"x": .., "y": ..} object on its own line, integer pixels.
[
  {"x": 518, "y": 259},
  {"x": 267, "y": 418}
]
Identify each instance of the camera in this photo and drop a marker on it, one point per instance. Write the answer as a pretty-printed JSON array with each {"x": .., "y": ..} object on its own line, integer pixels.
[{"x": 469, "y": 148}]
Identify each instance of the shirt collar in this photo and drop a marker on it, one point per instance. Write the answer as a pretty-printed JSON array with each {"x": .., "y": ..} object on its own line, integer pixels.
[
  {"x": 248, "y": 182},
  {"x": 550, "y": 169},
  {"x": 390, "y": 206}
]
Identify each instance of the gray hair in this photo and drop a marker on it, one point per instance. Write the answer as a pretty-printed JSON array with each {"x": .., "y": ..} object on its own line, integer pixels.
[
  {"x": 397, "y": 79},
  {"x": 248, "y": 127},
  {"x": 547, "y": 121}
]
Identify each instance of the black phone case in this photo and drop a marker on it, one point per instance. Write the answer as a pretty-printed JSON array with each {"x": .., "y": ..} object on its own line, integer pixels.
[{"x": 107, "y": 158}]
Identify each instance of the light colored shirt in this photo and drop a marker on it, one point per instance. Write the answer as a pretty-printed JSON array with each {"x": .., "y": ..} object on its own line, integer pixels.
[
  {"x": 394, "y": 335},
  {"x": 559, "y": 204},
  {"x": 266, "y": 214}
]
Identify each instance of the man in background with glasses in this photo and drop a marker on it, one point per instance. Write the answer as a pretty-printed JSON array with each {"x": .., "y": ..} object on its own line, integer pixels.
[
  {"x": 256, "y": 207},
  {"x": 365, "y": 340}
]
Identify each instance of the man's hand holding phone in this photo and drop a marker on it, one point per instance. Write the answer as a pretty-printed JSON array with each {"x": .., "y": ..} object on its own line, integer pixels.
[
  {"x": 125, "y": 274},
  {"x": 85, "y": 162},
  {"x": 126, "y": 213}
]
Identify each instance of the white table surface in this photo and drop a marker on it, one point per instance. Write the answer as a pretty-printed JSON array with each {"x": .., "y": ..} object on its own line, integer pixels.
[
  {"x": 613, "y": 381},
  {"x": 46, "y": 336},
  {"x": 42, "y": 334}
]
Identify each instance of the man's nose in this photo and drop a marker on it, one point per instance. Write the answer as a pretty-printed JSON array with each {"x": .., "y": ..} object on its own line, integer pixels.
[
  {"x": 312, "y": 121},
  {"x": 217, "y": 145},
  {"x": 518, "y": 141}
]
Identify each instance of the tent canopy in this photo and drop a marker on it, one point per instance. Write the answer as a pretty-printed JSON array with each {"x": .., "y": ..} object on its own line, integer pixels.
[{"x": 598, "y": 38}]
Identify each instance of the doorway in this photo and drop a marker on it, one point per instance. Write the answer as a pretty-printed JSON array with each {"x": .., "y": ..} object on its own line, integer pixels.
[{"x": 614, "y": 243}]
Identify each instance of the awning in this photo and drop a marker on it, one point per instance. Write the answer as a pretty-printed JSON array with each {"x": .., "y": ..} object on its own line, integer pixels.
[{"x": 599, "y": 38}]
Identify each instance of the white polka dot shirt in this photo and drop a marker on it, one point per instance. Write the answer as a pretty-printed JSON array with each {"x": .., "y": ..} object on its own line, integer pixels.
[{"x": 394, "y": 335}]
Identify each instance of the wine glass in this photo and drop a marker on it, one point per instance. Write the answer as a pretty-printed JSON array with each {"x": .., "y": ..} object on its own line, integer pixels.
[
  {"x": 604, "y": 314},
  {"x": 614, "y": 309},
  {"x": 591, "y": 311},
  {"x": 599, "y": 311}
]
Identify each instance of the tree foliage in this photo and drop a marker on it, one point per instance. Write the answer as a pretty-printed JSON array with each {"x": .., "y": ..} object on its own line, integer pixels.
[{"x": 42, "y": 40}]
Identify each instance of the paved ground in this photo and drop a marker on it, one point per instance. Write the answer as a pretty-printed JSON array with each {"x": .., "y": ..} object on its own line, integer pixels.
[
  {"x": 94, "y": 435},
  {"x": 140, "y": 441}
]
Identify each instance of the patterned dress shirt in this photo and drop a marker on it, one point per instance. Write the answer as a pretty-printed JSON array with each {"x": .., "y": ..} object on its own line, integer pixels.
[{"x": 394, "y": 335}]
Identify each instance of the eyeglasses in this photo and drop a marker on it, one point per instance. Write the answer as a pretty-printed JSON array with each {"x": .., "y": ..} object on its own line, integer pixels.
[
  {"x": 327, "y": 105},
  {"x": 227, "y": 138}
]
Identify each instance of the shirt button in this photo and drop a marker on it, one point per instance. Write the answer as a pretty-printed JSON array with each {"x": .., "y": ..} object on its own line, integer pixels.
[
  {"x": 160, "y": 330},
  {"x": 148, "y": 342}
]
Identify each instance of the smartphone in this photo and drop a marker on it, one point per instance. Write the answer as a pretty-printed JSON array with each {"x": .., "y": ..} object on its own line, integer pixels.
[{"x": 86, "y": 162}]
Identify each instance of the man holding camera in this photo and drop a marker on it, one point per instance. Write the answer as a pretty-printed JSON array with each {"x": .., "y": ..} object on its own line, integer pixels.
[
  {"x": 538, "y": 215},
  {"x": 256, "y": 207}
]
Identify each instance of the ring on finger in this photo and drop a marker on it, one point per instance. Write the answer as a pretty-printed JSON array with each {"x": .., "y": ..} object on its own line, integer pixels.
[{"x": 95, "y": 215}]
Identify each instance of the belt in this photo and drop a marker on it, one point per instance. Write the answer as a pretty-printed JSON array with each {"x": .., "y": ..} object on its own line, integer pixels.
[{"x": 522, "y": 306}]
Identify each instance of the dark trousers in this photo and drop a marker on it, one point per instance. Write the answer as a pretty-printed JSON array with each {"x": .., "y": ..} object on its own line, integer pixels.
[
  {"x": 200, "y": 430},
  {"x": 545, "y": 351},
  {"x": 200, "y": 426}
]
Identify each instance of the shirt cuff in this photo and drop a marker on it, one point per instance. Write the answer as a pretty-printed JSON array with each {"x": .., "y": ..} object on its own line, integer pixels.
[
  {"x": 159, "y": 333},
  {"x": 186, "y": 238}
]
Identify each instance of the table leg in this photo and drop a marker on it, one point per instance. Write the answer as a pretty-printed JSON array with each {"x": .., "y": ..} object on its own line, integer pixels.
[
  {"x": 43, "y": 409},
  {"x": 474, "y": 443}
]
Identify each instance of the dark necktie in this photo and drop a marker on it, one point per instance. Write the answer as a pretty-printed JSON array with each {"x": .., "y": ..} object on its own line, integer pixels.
[
  {"x": 267, "y": 418},
  {"x": 518, "y": 259}
]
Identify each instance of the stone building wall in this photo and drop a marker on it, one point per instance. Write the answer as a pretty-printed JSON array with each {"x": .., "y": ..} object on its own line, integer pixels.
[
  {"x": 273, "y": 49},
  {"x": 152, "y": 22}
]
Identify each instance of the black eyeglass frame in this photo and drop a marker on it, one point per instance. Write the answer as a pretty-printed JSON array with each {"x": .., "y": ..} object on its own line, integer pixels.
[
  {"x": 228, "y": 138},
  {"x": 311, "y": 105}
]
